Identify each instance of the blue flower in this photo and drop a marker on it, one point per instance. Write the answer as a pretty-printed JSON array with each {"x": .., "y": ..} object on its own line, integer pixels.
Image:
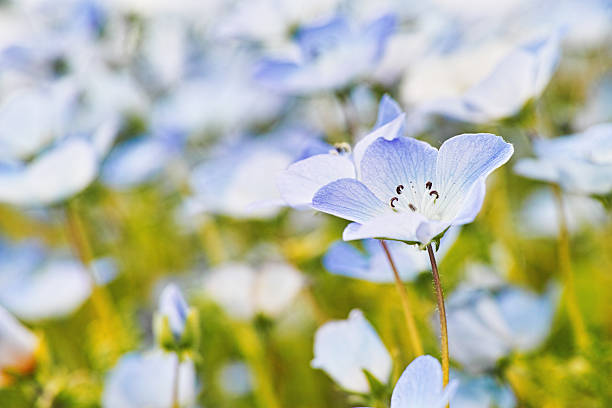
[
  {"x": 520, "y": 76},
  {"x": 420, "y": 386},
  {"x": 372, "y": 265},
  {"x": 409, "y": 191},
  {"x": 580, "y": 163},
  {"x": 172, "y": 305},
  {"x": 481, "y": 392},
  {"x": 147, "y": 379},
  {"x": 344, "y": 348},
  {"x": 332, "y": 55},
  {"x": 301, "y": 180},
  {"x": 485, "y": 325},
  {"x": 140, "y": 160}
]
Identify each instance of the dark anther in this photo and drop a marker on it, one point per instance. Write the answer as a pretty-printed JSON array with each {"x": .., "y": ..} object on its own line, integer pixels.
[
  {"x": 342, "y": 148},
  {"x": 399, "y": 189},
  {"x": 436, "y": 193},
  {"x": 393, "y": 200},
  {"x": 428, "y": 185},
  {"x": 412, "y": 207}
]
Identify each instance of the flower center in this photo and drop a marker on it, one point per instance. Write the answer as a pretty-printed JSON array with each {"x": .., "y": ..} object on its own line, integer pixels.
[{"x": 424, "y": 204}]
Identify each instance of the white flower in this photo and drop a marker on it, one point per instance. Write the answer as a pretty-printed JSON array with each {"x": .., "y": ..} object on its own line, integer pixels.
[
  {"x": 344, "y": 348},
  {"x": 17, "y": 346}
]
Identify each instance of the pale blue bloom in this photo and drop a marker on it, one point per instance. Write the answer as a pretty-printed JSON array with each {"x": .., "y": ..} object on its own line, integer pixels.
[
  {"x": 36, "y": 285},
  {"x": 410, "y": 191},
  {"x": 147, "y": 380},
  {"x": 539, "y": 216},
  {"x": 235, "y": 379},
  {"x": 372, "y": 265},
  {"x": 140, "y": 160},
  {"x": 481, "y": 392},
  {"x": 245, "y": 291},
  {"x": 344, "y": 348},
  {"x": 580, "y": 163},
  {"x": 172, "y": 304},
  {"x": 520, "y": 76},
  {"x": 485, "y": 325},
  {"x": 332, "y": 55},
  {"x": 420, "y": 386},
  {"x": 301, "y": 180},
  {"x": 238, "y": 179},
  {"x": 58, "y": 173}
]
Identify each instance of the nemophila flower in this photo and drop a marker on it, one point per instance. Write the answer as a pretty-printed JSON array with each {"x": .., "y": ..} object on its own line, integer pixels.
[
  {"x": 518, "y": 77},
  {"x": 235, "y": 379},
  {"x": 333, "y": 54},
  {"x": 58, "y": 173},
  {"x": 147, "y": 380},
  {"x": 485, "y": 325},
  {"x": 37, "y": 285},
  {"x": 239, "y": 103},
  {"x": 31, "y": 118},
  {"x": 345, "y": 348},
  {"x": 245, "y": 291},
  {"x": 580, "y": 163},
  {"x": 238, "y": 179},
  {"x": 409, "y": 191},
  {"x": 539, "y": 214},
  {"x": 301, "y": 180},
  {"x": 141, "y": 159},
  {"x": 481, "y": 392},
  {"x": 172, "y": 305},
  {"x": 17, "y": 348},
  {"x": 372, "y": 264},
  {"x": 420, "y": 386}
]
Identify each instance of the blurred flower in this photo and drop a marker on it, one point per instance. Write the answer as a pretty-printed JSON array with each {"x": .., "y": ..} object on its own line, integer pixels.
[
  {"x": 17, "y": 347},
  {"x": 518, "y": 77},
  {"x": 56, "y": 174},
  {"x": 146, "y": 380},
  {"x": 420, "y": 386},
  {"x": 580, "y": 163},
  {"x": 485, "y": 325},
  {"x": 244, "y": 291},
  {"x": 238, "y": 179},
  {"x": 173, "y": 306},
  {"x": 141, "y": 159},
  {"x": 332, "y": 55},
  {"x": 301, "y": 180},
  {"x": 372, "y": 265},
  {"x": 36, "y": 286},
  {"x": 539, "y": 216},
  {"x": 411, "y": 192},
  {"x": 344, "y": 348},
  {"x": 481, "y": 392}
]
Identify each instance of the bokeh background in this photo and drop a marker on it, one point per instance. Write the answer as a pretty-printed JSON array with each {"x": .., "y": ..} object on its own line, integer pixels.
[{"x": 139, "y": 146}]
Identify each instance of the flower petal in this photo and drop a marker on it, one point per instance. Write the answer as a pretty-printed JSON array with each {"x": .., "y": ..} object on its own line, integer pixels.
[
  {"x": 462, "y": 161},
  {"x": 406, "y": 161},
  {"x": 388, "y": 131},
  {"x": 349, "y": 199},
  {"x": 299, "y": 183},
  {"x": 401, "y": 226}
]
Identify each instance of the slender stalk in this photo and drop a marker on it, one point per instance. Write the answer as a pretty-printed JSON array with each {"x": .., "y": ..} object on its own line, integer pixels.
[
  {"x": 175, "y": 385},
  {"x": 442, "y": 310},
  {"x": 417, "y": 347},
  {"x": 565, "y": 266}
]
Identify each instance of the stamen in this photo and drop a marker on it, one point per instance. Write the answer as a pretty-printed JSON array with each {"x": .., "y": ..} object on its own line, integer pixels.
[
  {"x": 436, "y": 193},
  {"x": 399, "y": 189},
  {"x": 342, "y": 148},
  {"x": 393, "y": 200},
  {"x": 412, "y": 207},
  {"x": 428, "y": 185}
]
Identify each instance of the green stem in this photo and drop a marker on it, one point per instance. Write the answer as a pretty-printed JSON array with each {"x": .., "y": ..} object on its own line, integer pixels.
[
  {"x": 413, "y": 335},
  {"x": 565, "y": 266},
  {"x": 442, "y": 310}
]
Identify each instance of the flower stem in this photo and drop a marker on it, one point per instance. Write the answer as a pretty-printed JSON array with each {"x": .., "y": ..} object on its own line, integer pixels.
[
  {"x": 565, "y": 266},
  {"x": 175, "y": 385},
  {"x": 442, "y": 310},
  {"x": 417, "y": 347}
]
